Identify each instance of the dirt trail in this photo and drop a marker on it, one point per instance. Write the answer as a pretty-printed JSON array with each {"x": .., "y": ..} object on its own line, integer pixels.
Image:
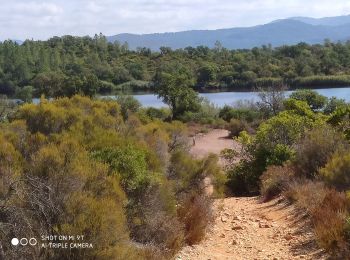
[
  {"x": 213, "y": 142},
  {"x": 245, "y": 228}
]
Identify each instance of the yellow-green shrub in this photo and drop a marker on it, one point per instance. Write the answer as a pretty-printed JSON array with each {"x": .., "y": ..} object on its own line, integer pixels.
[{"x": 337, "y": 171}]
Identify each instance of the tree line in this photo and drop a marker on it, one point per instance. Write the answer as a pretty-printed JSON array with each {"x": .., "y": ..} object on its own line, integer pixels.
[{"x": 68, "y": 65}]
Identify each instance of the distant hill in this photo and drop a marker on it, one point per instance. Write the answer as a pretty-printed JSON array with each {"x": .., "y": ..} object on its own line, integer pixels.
[
  {"x": 331, "y": 21},
  {"x": 280, "y": 32}
]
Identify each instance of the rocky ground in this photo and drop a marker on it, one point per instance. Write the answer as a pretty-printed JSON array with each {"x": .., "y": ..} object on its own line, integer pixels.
[{"x": 245, "y": 228}]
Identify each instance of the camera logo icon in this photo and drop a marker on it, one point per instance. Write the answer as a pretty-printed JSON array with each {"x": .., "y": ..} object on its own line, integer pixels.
[{"x": 24, "y": 241}]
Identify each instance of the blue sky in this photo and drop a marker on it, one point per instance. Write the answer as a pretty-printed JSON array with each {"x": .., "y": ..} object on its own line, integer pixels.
[{"x": 22, "y": 19}]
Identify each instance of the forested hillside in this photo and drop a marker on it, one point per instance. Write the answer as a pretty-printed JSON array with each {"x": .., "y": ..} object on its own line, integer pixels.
[{"x": 70, "y": 65}]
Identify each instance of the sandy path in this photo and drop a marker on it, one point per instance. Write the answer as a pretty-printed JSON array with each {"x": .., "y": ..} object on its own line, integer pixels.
[
  {"x": 213, "y": 142},
  {"x": 245, "y": 228}
]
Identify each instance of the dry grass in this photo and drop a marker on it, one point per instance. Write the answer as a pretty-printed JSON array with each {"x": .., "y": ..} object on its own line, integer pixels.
[
  {"x": 330, "y": 221},
  {"x": 196, "y": 214},
  {"x": 274, "y": 181},
  {"x": 328, "y": 210},
  {"x": 306, "y": 194}
]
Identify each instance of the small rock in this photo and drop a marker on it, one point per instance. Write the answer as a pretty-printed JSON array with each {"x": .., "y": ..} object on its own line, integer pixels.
[
  {"x": 237, "y": 227},
  {"x": 237, "y": 218},
  {"x": 222, "y": 235},
  {"x": 264, "y": 225},
  {"x": 288, "y": 237},
  {"x": 223, "y": 219}
]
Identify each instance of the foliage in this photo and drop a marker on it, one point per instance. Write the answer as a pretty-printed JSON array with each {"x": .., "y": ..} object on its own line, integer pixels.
[
  {"x": 340, "y": 118},
  {"x": 337, "y": 171},
  {"x": 248, "y": 114},
  {"x": 7, "y": 107},
  {"x": 330, "y": 223},
  {"x": 175, "y": 90},
  {"x": 328, "y": 210},
  {"x": 196, "y": 214},
  {"x": 271, "y": 99},
  {"x": 206, "y": 114},
  {"x": 275, "y": 180},
  {"x": 333, "y": 104},
  {"x": 311, "y": 97},
  {"x": 75, "y": 166},
  {"x": 315, "y": 148},
  {"x": 128, "y": 104},
  {"x": 236, "y": 126},
  {"x": 273, "y": 144},
  {"x": 65, "y": 66},
  {"x": 25, "y": 94}
]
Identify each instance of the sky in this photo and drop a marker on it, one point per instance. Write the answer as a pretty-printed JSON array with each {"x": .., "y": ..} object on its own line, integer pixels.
[{"x": 26, "y": 19}]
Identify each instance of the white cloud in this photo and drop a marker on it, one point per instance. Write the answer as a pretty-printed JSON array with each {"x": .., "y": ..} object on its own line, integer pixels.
[
  {"x": 36, "y": 8},
  {"x": 22, "y": 19}
]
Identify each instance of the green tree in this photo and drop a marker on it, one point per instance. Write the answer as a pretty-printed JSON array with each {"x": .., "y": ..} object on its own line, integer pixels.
[
  {"x": 175, "y": 90},
  {"x": 25, "y": 94},
  {"x": 311, "y": 97}
]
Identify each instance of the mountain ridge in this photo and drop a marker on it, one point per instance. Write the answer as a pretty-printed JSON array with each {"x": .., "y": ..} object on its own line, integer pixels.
[{"x": 279, "y": 32}]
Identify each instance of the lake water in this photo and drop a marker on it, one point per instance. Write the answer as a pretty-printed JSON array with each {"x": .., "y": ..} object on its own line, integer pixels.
[{"x": 227, "y": 98}]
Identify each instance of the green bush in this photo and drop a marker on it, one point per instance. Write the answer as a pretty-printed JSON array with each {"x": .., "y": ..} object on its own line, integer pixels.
[
  {"x": 128, "y": 104},
  {"x": 333, "y": 104},
  {"x": 118, "y": 182},
  {"x": 236, "y": 126},
  {"x": 158, "y": 113},
  {"x": 311, "y": 97},
  {"x": 337, "y": 171},
  {"x": 315, "y": 148},
  {"x": 248, "y": 114},
  {"x": 273, "y": 144},
  {"x": 340, "y": 119}
]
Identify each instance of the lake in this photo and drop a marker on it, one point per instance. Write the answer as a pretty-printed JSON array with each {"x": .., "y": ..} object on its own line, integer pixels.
[{"x": 227, "y": 98}]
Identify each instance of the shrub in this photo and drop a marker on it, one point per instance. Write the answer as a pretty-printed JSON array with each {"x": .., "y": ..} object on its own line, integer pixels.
[
  {"x": 158, "y": 113},
  {"x": 128, "y": 104},
  {"x": 25, "y": 94},
  {"x": 196, "y": 214},
  {"x": 333, "y": 104},
  {"x": 328, "y": 211},
  {"x": 306, "y": 194},
  {"x": 236, "y": 126},
  {"x": 340, "y": 118},
  {"x": 248, "y": 114},
  {"x": 208, "y": 113},
  {"x": 129, "y": 163},
  {"x": 337, "y": 171},
  {"x": 311, "y": 97},
  {"x": 243, "y": 178},
  {"x": 330, "y": 221},
  {"x": 275, "y": 180},
  {"x": 315, "y": 148}
]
